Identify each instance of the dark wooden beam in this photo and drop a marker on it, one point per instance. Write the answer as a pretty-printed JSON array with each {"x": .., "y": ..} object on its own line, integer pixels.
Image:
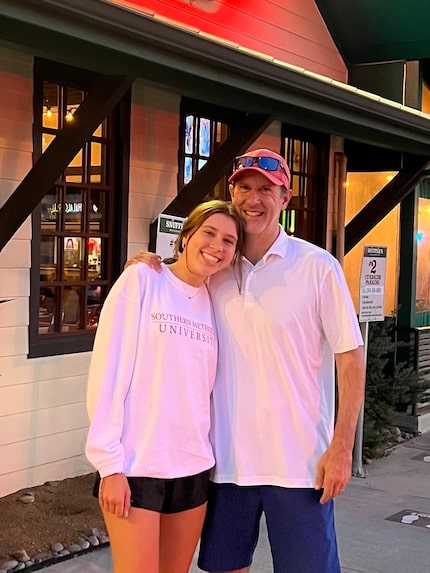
[
  {"x": 204, "y": 180},
  {"x": 99, "y": 102},
  {"x": 391, "y": 195},
  {"x": 241, "y": 137}
]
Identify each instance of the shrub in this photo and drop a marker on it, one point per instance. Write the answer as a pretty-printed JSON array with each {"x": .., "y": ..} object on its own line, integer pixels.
[{"x": 390, "y": 385}]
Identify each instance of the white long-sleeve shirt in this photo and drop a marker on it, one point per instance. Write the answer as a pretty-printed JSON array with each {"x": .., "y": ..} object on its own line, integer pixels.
[{"x": 151, "y": 376}]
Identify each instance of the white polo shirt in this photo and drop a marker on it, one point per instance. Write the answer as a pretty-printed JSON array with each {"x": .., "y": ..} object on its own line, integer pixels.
[{"x": 273, "y": 400}]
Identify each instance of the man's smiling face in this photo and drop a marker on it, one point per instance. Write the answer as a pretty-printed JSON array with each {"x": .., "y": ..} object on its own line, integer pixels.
[{"x": 259, "y": 202}]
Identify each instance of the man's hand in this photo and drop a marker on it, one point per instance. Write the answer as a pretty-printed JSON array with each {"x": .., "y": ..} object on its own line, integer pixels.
[
  {"x": 333, "y": 472},
  {"x": 335, "y": 466},
  {"x": 151, "y": 259},
  {"x": 114, "y": 495}
]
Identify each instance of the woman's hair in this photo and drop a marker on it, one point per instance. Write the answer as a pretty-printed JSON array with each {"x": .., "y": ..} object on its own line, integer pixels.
[{"x": 198, "y": 216}]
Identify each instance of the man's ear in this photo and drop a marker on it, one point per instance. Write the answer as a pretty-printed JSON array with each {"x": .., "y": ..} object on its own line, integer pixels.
[
  {"x": 231, "y": 189},
  {"x": 286, "y": 198}
]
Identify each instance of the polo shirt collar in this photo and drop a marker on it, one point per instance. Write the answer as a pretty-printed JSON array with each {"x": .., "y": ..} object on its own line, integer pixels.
[{"x": 279, "y": 247}]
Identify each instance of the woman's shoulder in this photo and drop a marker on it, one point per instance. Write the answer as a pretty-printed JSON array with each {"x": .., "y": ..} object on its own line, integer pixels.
[{"x": 135, "y": 280}]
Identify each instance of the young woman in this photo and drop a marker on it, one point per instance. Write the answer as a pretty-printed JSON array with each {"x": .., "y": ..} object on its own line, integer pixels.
[{"x": 151, "y": 376}]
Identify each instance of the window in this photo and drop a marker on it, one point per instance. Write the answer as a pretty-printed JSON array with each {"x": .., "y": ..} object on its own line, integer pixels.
[
  {"x": 74, "y": 227},
  {"x": 307, "y": 156},
  {"x": 423, "y": 250},
  {"x": 202, "y": 130}
]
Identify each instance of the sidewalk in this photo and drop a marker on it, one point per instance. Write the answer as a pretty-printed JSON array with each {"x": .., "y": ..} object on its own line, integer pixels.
[{"x": 397, "y": 485}]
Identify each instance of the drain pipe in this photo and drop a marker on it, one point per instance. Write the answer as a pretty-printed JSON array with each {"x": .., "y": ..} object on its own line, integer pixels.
[{"x": 340, "y": 189}]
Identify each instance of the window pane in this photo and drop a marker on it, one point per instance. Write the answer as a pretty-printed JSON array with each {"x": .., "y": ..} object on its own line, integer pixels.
[
  {"x": 189, "y": 134},
  {"x": 98, "y": 163},
  {"x": 103, "y": 262},
  {"x": 74, "y": 99},
  {"x": 201, "y": 163},
  {"x": 50, "y": 105},
  {"x": 423, "y": 256},
  {"x": 98, "y": 216},
  {"x": 47, "y": 308},
  {"x": 74, "y": 173},
  {"x": 102, "y": 130},
  {"x": 48, "y": 259},
  {"x": 47, "y": 139},
  {"x": 50, "y": 211},
  {"x": 73, "y": 212},
  {"x": 94, "y": 257},
  {"x": 205, "y": 137},
  {"x": 73, "y": 257},
  {"x": 93, "y": 307},
  {"x": 71, "y": 308},
  {"x": 188, "y": 169}
]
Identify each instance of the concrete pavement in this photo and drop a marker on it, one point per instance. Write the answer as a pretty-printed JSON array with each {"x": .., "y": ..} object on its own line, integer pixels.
[{"x": 383, "y": 520}]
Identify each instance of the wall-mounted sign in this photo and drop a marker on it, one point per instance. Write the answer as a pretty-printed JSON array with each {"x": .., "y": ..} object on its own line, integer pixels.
[{"x": 168, "y": 230}]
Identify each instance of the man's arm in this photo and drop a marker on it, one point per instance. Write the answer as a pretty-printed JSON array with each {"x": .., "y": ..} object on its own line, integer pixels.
[{"x": 335, "y": 466}]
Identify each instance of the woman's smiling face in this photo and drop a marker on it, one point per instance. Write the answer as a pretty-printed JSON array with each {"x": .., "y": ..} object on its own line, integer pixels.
[{"x": 212, "y": 246}]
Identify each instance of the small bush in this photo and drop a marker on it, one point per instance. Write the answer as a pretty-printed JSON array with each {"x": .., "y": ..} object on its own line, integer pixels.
[{"x": 390, "y": 384}]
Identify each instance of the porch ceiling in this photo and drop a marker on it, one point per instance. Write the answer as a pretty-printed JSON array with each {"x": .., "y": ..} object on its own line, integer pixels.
[
  {"x": 97, "y": 35},
  {"x": 378, "y": 30}
]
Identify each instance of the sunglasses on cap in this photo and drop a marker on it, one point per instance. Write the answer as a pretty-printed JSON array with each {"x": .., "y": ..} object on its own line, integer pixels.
[{"x": 265, "y": 163}]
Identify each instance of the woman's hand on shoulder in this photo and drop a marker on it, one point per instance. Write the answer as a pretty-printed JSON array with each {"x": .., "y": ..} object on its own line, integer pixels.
[
  {"x": 114, "y": 495},
  {"x": 151, "y": 259}
]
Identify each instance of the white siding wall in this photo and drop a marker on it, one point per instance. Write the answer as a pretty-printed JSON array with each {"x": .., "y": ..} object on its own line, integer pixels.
[
  {"x": 43, "y": 421},
  {"x": 153, "y": 161}
]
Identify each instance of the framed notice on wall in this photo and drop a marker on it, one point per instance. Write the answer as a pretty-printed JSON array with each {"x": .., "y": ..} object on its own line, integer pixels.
[{"x": 168, "y": 230}]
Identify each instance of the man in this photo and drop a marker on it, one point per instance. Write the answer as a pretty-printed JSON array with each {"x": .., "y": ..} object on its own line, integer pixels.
[{"x": 280, "y": 320}]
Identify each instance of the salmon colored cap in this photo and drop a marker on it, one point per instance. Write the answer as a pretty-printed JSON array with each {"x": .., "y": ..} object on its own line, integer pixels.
[{"x": 281, "y": 176}]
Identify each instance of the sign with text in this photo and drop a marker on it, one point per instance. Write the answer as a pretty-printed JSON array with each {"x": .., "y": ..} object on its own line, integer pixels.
[
  {"x": 168, "y": 230},
  {"x": 372, "y": 284}
]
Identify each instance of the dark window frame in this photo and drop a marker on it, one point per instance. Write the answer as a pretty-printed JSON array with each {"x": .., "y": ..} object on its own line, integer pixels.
[
  {"x": 313, "y": 215},
  {"x": 215, "y": 114},
  {"x": 68, "y": 343}
]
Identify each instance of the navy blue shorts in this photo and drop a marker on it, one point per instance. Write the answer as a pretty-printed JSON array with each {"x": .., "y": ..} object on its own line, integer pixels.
[{"x": 301, "y": 531}]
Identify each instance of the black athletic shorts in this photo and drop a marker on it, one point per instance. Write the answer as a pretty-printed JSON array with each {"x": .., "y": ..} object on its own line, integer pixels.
[{"x": 166, "y": 495}]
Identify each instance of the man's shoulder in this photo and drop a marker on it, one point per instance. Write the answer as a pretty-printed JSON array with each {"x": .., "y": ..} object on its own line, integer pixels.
[
  {"x": 221, "y": 278},
  {"x": 303, "y": 248}
]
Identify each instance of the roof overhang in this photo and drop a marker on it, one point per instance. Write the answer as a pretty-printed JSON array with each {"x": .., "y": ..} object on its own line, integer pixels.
[
  {"x": 95, "y": 34},
  {"x": 368, "y": 31}
]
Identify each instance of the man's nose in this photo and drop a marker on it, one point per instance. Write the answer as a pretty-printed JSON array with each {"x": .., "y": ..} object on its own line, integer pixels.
[{"x": 253, "y": 196}]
